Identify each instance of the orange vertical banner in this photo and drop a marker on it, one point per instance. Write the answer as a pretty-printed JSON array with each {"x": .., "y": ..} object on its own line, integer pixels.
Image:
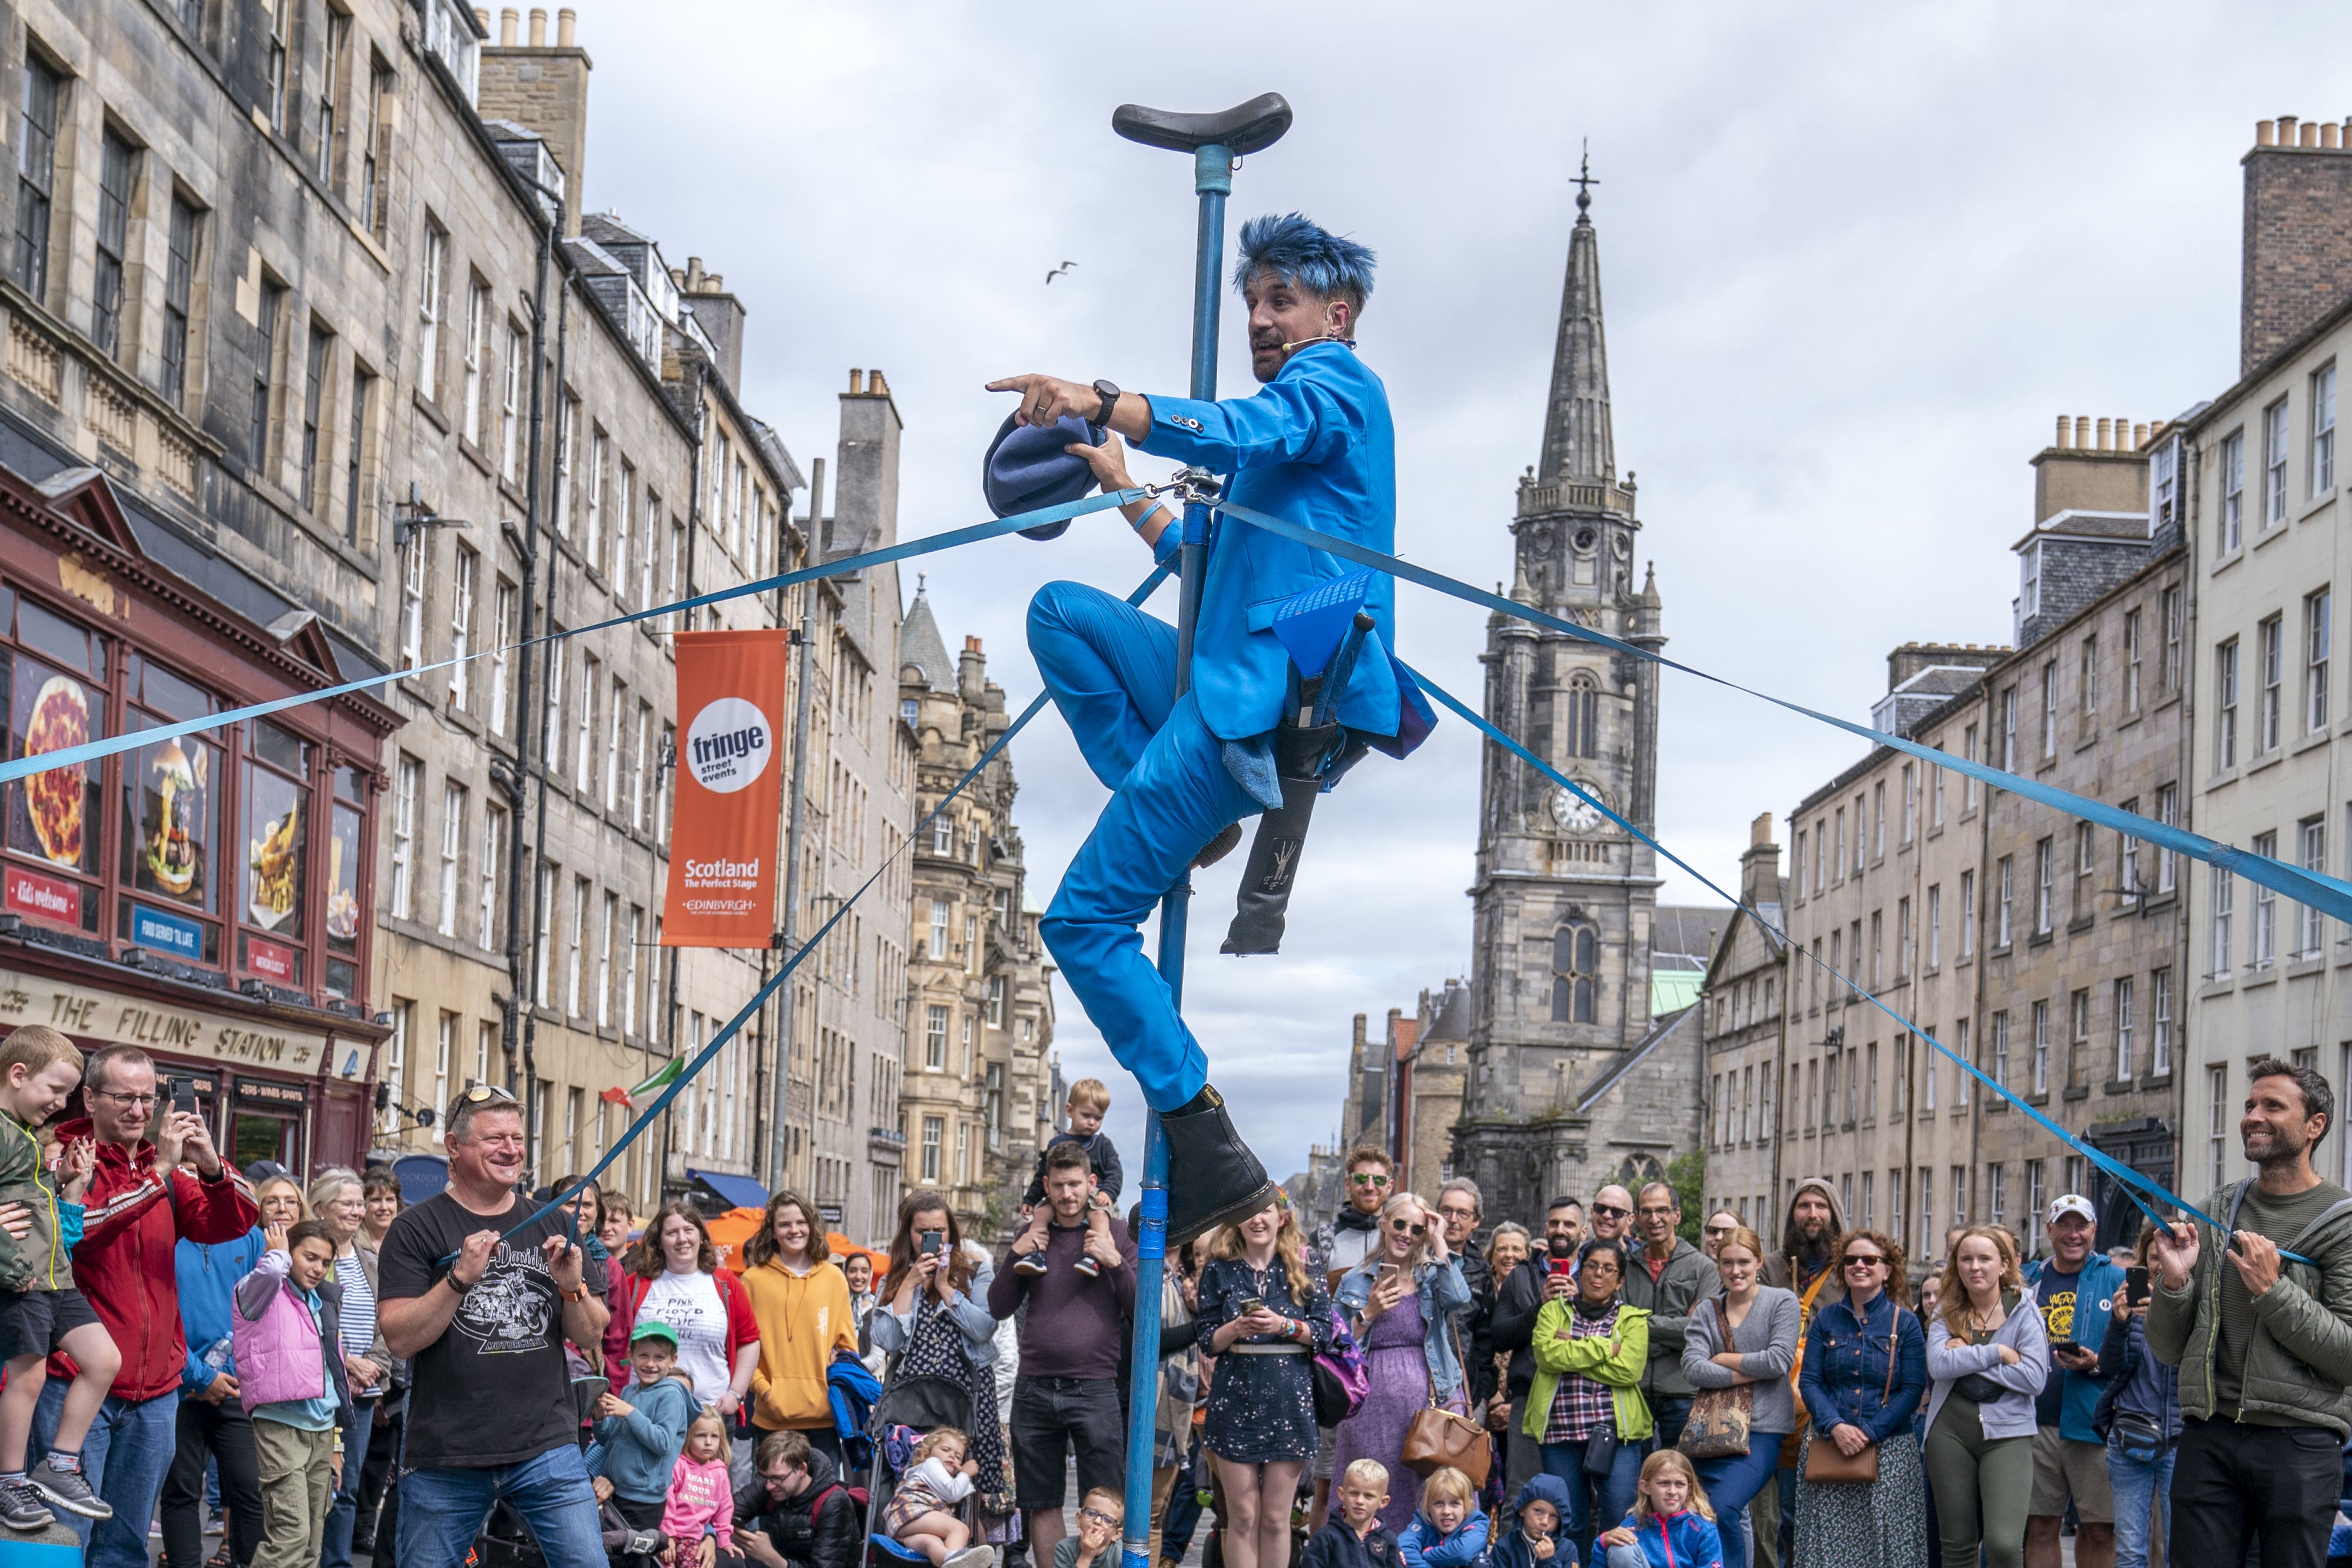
[{"x": 729, "y": 789}]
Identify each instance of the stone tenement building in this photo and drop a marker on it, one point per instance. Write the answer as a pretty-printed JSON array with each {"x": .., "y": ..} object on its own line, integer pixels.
[
  {"x": 979, "y": 1094},
  {"x": 1570, "y": 1071}
]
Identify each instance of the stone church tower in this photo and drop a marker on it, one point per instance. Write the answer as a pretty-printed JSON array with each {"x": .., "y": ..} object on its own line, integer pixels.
[{"x": 1565, "y": 1085}]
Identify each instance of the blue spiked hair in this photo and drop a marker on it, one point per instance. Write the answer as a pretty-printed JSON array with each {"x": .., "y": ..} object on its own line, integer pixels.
[{"x": 1296, "y": 247}]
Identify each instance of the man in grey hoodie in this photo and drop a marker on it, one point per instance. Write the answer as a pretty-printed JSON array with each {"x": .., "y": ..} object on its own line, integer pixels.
[
  {"x": 1803, "y": 1262},
  {"x": 1669, "y": 1277}
]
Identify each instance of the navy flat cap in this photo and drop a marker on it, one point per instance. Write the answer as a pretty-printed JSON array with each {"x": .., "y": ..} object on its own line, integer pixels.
[{"x": 1027, "y": 468}]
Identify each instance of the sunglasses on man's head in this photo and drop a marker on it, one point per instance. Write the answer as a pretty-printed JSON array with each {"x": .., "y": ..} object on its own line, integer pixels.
[
  {"x": 1369, "y": 1178},
  {"x": 487, "y": 1094}
]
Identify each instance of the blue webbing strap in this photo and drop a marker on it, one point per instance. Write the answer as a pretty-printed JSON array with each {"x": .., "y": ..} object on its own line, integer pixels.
[
  {"x": 90, "y": 751},
  {"x": 735, "y": 1024},
  {"x": 2327, "y": 894},
  {"x": 2126, "y": 1176}
]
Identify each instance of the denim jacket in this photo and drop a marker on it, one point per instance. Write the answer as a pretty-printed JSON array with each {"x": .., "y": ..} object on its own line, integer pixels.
[
  {"x": 1845, "y": 1379},
  {"x": 1442, "y": 1292}
]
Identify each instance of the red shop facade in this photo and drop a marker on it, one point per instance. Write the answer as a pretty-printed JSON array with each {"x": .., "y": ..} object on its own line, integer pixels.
[{"x": 206, "y": 898}]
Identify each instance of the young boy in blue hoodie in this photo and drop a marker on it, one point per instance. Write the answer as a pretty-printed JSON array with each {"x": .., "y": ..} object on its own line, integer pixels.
[
  {"x": 1541, "y": 1504},
  {"x": 644, "y": 1434},
  {"x": 1448, "y": 1532},
  {"x": 1353, "y": 1536}
]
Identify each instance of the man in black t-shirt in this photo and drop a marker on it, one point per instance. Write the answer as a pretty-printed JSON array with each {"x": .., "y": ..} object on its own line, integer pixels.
[{"x": 490, "y": 1413}]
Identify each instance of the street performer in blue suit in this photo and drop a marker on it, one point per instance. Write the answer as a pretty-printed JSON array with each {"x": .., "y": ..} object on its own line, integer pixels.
[{"x": 1313, "y": 444}]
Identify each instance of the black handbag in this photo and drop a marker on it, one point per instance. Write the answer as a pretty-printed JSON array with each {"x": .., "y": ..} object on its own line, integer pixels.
[
  {"x": 1601, "y": 1450},
  {"x": 1975, "y": 1387}
]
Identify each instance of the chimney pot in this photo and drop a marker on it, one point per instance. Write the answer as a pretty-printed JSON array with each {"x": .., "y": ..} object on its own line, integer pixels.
[
  {"x": 2082, "y": 433},
  {"x": 856, "y": 383},
  {"x": 2106, "y": 435},
  {"x": 971, "y": 645},
  {"x": 2265, "y": 133},
  {"x": 711, "y": 284},
  {"x": 567, "y": 22},
  {"x": 2065, "y": 428},
  {"x": 2139, "y": 436},
  {"x": 509, "y": 24},
  {"x": 482, "y": 17},
  {"x": 2309, "y": 135},
  {"x": 879, "y": 387},
  {"x": 2331, "y": 135},
  {"x": 539, "y": 26},
  {"x": 2287, "y": 130}
]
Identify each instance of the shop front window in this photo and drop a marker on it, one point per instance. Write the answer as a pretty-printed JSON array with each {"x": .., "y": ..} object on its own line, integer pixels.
[
  {"x": 54, "y": 699},
  {"x": 275, "y": 826},
  {"x": 170, "y": 816},
  {"x": 344, "y": 911}
]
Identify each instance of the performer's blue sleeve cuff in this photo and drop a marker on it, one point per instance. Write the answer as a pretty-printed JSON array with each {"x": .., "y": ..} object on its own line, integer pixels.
[{"x": 1186, "y": 430}]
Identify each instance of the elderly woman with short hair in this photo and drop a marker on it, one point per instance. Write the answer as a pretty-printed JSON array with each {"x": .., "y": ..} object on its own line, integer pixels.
[{"x": 339, "y": 1199}]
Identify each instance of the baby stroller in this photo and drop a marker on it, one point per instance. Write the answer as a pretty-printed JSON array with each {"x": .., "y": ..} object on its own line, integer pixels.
[{"x": 909, "y": 1406}]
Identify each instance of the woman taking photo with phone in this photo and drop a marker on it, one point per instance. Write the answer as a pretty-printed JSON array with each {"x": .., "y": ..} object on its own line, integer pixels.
[
  {"x": 930, "y": 1320},
  {"x": 1744, "y": 1338},
  {"x": 801, "y": 1307},
  {"x": 1399, "y": 1303},
  {"x": 1987, "y": 1362},
  {"x": 1263, "y": 1315}
]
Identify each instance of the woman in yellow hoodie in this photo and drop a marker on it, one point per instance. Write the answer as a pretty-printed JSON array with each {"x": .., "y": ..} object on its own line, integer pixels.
[{"x": 802, "y": 1304}]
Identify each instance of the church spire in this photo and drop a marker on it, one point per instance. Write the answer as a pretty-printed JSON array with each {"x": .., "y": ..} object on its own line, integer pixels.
[{"x": 1577, "y": 441}]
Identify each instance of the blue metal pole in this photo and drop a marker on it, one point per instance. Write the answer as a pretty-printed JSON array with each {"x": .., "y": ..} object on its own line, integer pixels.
[{"x": 1212, "y": 179}]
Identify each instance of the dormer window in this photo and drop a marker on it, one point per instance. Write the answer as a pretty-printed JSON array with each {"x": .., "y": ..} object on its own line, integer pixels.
[{"x": 2163, "y": 485}]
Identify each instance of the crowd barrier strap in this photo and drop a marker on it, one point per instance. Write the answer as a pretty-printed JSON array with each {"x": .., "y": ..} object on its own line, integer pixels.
[
  {"x": 92, "y": 750},
  {"x": 2127, "y": 1178},
  {"x": 2327, "y": 894}
]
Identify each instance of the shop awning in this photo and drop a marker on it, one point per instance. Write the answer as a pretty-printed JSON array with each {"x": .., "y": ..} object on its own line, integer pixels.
[{"x": 735, "y": 1191}]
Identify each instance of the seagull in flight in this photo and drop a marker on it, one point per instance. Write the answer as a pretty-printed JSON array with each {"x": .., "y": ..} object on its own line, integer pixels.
[{"x": 1059, "y": 271}]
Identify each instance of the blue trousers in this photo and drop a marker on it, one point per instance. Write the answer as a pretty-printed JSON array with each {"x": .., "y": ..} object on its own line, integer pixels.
[
  {"x": 1732, "y": 1483},
  {"x": 335, "y": 1543},
  {"x": 130, "y": 1447},
  {"x": 1595, "y": 1503},
  {"x": 442, "y": 1509},
  {"x": 2141, "y": 1491},
  {"x": 1112, "y": 672}
]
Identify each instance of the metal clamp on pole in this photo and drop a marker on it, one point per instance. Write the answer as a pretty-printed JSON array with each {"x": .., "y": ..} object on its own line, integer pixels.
[{"x": 1216, "y": 142}]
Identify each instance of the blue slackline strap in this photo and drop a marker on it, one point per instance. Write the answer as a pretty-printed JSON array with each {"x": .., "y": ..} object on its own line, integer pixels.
[
  {"x": 2329, "y": 895},
  {"x": 734, "y": 1025},
  {"x": 2126, "y": 1176},
  {"x": 90, "y": 751}
]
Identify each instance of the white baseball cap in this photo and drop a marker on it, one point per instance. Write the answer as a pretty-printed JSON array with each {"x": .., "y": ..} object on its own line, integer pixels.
[{"x": 2073, "y": 1203}]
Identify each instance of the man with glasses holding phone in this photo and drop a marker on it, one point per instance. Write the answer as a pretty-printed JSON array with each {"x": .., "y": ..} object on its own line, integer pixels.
[
  {"x": 1548, "y": 1275},
  {"x": 1340, "y": 1243},
  {"x": 140, "y": 1204},
  {"x": 483, "y": 1306}
]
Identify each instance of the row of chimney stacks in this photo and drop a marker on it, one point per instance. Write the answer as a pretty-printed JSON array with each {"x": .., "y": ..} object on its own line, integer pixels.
[
  {"x": 566, "y": 21},
  {"x": 2076, "y": 433}
]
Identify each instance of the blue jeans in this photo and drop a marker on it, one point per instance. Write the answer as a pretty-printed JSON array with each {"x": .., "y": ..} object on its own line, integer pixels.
[
  {"x": 2138, "y": 1488},
  {"x": 1595, "y": 1503},
  {"x": 1667, "y": 1413},
  {"x": 335, "y": 1544},
  {"x": 1730, "y": 1483},
  {"x": 130, "y": 1447},
  {"x": 1112, "y": 672},
  {"x": 442, "y": 1510}
]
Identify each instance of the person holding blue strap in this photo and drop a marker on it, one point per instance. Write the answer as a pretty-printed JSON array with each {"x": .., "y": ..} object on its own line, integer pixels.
[
  {"x": 2263, "y": 1342},
  {"x": 1313, "y": 442}
]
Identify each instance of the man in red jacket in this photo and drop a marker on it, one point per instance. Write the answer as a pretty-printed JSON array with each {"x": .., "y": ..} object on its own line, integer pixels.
[{"x": 141, "y": 1205}]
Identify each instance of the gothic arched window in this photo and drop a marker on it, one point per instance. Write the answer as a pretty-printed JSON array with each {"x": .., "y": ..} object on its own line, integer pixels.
[
  {"x": 1583, "y": 716},
  {"x": 1575, "y": 959}
]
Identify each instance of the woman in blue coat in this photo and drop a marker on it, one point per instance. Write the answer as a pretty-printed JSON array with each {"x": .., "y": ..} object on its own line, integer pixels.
[{"x": 1865, "y": 1370}]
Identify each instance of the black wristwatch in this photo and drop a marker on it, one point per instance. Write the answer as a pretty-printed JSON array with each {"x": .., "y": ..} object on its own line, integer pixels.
[{"x": 1110, "y": 391}]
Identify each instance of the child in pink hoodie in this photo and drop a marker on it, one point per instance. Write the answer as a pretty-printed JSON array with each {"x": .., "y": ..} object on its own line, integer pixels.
[{"x": 699, "y": 1496}]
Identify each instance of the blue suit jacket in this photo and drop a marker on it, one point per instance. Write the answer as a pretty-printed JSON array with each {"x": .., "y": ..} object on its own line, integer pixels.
[{"x": 1313, "y": 445}]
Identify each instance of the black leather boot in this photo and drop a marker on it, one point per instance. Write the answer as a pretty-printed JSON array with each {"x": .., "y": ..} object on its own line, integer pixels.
[{"x": 1212, "y": 1177}]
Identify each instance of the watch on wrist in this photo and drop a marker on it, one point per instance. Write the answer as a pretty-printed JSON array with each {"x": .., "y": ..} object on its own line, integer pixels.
[
  {"x": 578, "y": 1292},
  {"x": 1108, "y": 392}
]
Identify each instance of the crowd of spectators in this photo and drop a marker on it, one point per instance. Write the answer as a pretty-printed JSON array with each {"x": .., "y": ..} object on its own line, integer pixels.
[{"x": 335, "y": 1373}]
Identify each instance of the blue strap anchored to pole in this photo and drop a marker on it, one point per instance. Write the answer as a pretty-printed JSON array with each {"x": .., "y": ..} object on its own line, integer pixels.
[
  {"x": 90, "y": 751},
  {"x": 2319, "y": 890},
  {"x": 2126, "y": 1176},
  {"x": 750, "y": 1009}
]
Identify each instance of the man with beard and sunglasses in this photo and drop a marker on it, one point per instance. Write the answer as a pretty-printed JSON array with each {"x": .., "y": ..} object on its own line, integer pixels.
[
  {"x": 2263, "y": 1342},
  {"x": 1314, "y": 445}
]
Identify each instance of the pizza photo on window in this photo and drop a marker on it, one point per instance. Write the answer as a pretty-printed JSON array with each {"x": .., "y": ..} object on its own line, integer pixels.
[{"x": 53, "y": 814}]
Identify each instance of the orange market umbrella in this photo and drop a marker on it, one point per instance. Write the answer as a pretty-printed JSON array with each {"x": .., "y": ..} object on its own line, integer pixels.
[{"x": 737, "y": 1225}]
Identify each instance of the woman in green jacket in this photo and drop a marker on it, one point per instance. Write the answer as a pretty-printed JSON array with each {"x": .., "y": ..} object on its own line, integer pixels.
[{"x": 1585, "y": 1407}]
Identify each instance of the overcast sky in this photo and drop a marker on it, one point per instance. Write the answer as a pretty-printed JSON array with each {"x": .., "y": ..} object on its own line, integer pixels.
[{"x": 1854, "y": 260}]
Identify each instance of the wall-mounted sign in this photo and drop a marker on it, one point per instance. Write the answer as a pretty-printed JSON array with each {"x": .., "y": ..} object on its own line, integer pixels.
[
  {"x": 43, "y": 897},
  {"x": 91, "y": 1013},
  {"x": 264, "y": 1095},
  {"x": 172, "y": 934}
]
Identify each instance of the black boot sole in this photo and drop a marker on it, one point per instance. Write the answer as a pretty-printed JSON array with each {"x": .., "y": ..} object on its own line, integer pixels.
[{"x": 1230, "y": 1214}]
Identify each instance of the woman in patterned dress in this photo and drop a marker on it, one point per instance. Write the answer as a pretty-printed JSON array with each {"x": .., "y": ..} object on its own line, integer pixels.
[
  {"x": 1865, "y": 1369},
  {"x": 1400, "y": 1301},
  {"x": 1262, "y": 1316}
]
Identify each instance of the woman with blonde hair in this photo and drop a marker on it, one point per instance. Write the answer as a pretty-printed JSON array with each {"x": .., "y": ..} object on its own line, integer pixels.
[
  {"x": 1746, "y": 1337},
  {"x": 1263, "y": 1315},
  {"x": 1400, "y": 1303},
  {"x": 1986, "y": 1361}
]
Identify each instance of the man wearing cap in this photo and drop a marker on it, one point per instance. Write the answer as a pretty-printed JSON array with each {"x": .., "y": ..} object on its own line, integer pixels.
[
  {"x": 1314, "y": 444},
  {"x": 2076, "y": 1288}
]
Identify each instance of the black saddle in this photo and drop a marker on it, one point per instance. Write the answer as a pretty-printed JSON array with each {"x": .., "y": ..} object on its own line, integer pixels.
[{"x": 1245, "y": 128}]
